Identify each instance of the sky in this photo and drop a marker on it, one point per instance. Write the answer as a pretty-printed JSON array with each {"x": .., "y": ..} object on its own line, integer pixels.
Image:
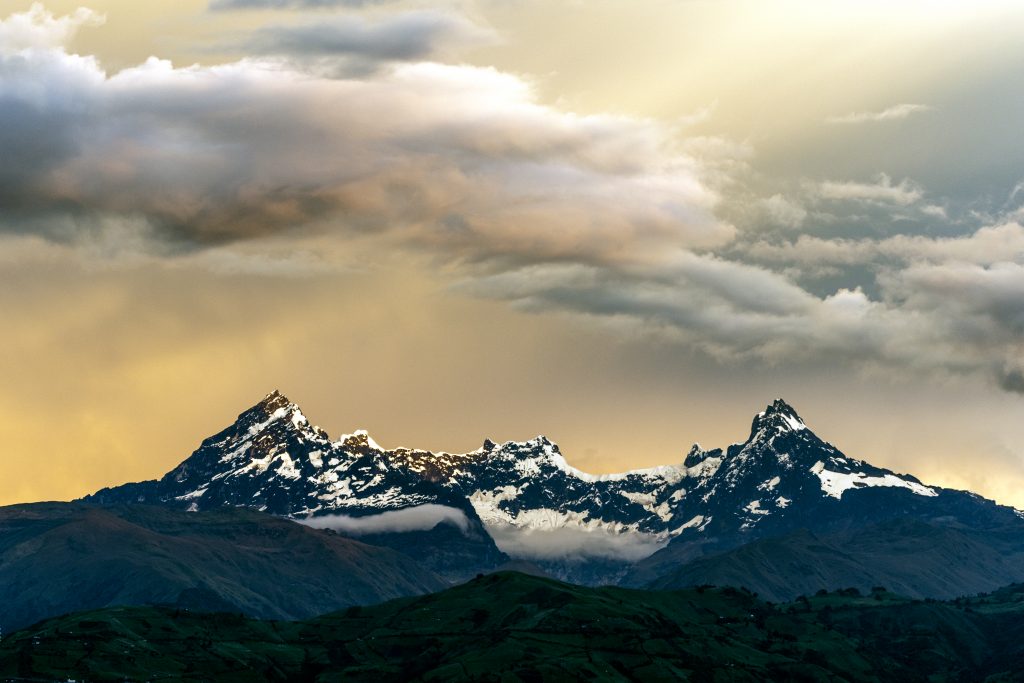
[{"x": 626, "y": 225}]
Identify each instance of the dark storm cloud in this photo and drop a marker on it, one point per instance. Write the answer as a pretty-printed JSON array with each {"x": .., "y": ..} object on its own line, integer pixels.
[
  {"x": 407, "y": 36},
  {"x": 1011, "y": 379}
]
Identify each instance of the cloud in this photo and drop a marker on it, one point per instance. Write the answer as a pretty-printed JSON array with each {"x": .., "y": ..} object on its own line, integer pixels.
[
  {"x": 1017, "y": 190},
  {"x": 291, "y": 4},
  {"x": 940, "y": 316},
  {"x": 418, "y": 518},
  {"x": 727, "y": 309},
  {"x": 38, "y": 28},
  {"x": 882, "y": 190},
  {"x": 1011, "y": 379},
  {"x": 454, "y": 160},
  {"x": 408, "y": 36},
  {"x": 979, "y": 309},
  {"x": 986, "y": 246},
  {"x": 893, "y": 113},
  {"x": 564, "y": 542},
  {"x": 574, "y": 543},
  {"x": 606, "y": 218},
  {"x": 783, "y": 212},
  {"x": 935, "y": 211}
]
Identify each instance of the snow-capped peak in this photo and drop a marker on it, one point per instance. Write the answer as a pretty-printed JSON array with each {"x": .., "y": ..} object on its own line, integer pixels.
[
  {"x": 778, "y": 418},
  {"x": 274, "y": 402},
  {"x": 782, "y": 477}
]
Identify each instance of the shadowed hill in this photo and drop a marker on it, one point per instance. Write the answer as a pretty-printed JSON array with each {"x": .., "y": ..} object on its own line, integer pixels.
[
  {"x": 909, "y": 557},
  {"x": 56, "y": 558}
]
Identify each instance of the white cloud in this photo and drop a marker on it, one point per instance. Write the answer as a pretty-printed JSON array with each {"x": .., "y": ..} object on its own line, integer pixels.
[
  {"x": 893, "y": 113},
  {"x": 935, "y": 211},
  {"x": 417, "y": 518},
  {"x": 882, "y": 190},
  {"x": 1017, "y": 189},
  {"x": 569, "y": 543},
  {"x": 986, "y": 246},
  {"x": 38, "y": 28},
  {"x": 784, "y": 212}
]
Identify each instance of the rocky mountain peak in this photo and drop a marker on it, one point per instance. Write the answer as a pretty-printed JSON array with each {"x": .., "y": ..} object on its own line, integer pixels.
[
  {"x": 783, "y": 477},
  {"x": 697, "y": 455},
  {"x": 358, "y": 441},
  {"x": 778, "y": 418},
  {"x": 274, "y": 400}
]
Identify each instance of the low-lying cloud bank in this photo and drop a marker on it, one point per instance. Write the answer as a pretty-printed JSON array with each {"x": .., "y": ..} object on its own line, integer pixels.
[
  {"x": 418, "y": 518},
  {"x": 548, "y": 543},
  {"x": 574, "y": 543}
]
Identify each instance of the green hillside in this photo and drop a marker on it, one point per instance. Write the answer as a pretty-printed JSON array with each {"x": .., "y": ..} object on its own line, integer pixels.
[{"x": 513, "y": 627}]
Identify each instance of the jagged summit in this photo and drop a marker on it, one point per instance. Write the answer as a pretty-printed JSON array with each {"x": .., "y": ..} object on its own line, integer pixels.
[
  {"x": 359, "y": 440},
  {"x": 275, "y": 398},
  {"x": 780, "y": 407},
  {"x": 778, "y": 417},
  {"x": 274, "y": 415},
  {"x": 273, "y": 403}
]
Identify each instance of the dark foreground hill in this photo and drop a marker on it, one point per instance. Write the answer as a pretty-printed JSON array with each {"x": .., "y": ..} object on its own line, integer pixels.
[
  {"x": 57, "y": 558},
  {"x": 513, "y": 627}
]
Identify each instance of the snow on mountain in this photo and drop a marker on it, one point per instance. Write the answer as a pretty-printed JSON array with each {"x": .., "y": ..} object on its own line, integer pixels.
[{"x": 527, "y": 496}]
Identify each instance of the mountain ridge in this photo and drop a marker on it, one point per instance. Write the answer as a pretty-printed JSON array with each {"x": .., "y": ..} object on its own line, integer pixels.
[{"x": 524, "y": 500}]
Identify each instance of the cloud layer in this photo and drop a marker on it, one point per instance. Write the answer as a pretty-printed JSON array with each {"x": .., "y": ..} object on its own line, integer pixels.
[{"x": 610, "y": 218}]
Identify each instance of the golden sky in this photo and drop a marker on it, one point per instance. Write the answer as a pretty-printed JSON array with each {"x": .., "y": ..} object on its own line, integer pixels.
[{"x": 625, "y": 225}]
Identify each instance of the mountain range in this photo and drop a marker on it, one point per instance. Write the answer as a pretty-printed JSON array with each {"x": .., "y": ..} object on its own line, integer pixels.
[
  {"x": 463, "y": 514},
  {"x": 274, "y": 519}
]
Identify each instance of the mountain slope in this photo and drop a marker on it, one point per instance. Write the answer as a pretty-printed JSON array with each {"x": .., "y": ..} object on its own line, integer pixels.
[
  {"x": 57, "y": 558},
  {"x": 909, "y": 557},
  {"x": 516, "y": 627}
]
